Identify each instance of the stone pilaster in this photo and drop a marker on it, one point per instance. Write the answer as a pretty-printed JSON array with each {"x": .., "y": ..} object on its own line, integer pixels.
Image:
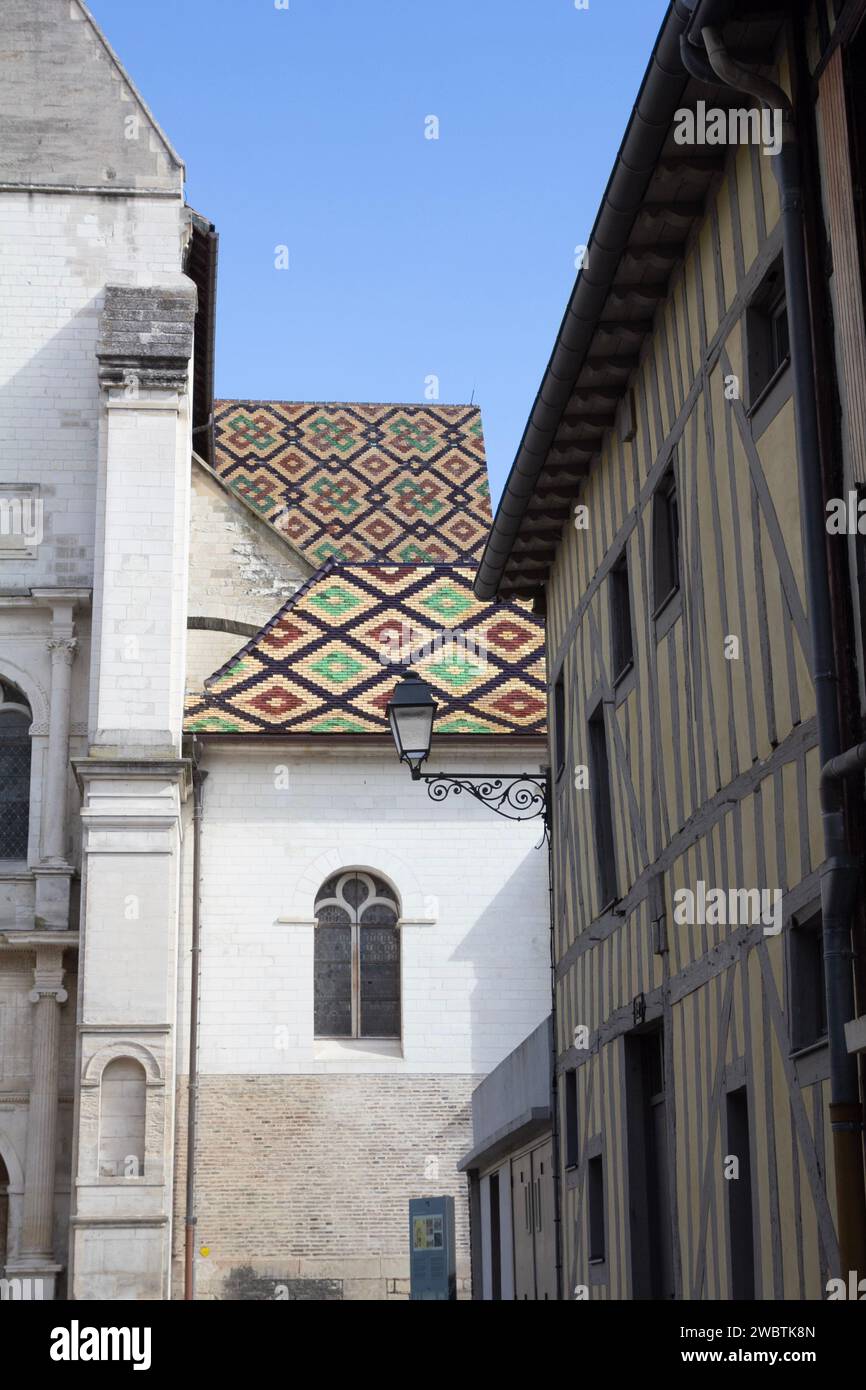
[{"x": 144, "y": 352}]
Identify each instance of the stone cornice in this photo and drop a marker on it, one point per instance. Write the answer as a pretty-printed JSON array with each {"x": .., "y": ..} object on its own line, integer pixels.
[
  {"x": 34, "y": 940},
  {"x": 171, "y": 769},
  {"x": 146, "y": 337}
]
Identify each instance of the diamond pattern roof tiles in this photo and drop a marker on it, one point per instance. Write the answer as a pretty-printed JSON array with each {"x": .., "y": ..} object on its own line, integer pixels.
[
  {"x": 407, "y": 483},
  {"x": 328, "y": 661}
]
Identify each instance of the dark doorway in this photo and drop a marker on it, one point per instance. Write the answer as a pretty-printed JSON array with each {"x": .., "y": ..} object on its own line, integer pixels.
[
  {"x": 495, "y": 1241},
  {"x": 740, "y": 1213},
  {"x": 648, "y": 1166}
]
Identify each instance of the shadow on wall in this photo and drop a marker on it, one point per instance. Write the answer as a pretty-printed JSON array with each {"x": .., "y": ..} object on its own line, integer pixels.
[
  {"x": 509, "y": 995},
  {"x": 67, "y": 455}
]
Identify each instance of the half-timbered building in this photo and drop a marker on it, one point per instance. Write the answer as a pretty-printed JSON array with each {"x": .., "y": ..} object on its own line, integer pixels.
[{"x": 702, "y": 409}]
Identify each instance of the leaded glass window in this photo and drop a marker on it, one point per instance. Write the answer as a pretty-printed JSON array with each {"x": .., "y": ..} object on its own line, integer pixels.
[
  {"x": 357, "y": 958},
  {"x": 15, "y": 721}
]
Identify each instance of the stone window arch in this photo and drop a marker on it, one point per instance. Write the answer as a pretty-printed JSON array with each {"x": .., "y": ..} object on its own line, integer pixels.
[
  {"x": 16, "y": 718},
  {"x": 357, "y": 957},
  {"x": 122, "y": 1110}
]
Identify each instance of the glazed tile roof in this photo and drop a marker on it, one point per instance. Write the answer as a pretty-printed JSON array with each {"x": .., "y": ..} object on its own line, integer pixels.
[
  {"x": 326, "y": 662},
  {"x": 405, "y": 483}
]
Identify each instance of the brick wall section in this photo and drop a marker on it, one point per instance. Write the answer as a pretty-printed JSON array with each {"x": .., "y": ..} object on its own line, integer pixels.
[{"x": 308, "y": 1178}]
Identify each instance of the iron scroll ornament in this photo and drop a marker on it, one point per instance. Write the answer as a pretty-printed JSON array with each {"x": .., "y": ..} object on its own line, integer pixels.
[{"x": 523, "y": 796}]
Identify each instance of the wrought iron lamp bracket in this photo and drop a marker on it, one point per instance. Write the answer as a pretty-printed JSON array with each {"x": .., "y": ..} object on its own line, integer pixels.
[{"x": 518, "y": 796}]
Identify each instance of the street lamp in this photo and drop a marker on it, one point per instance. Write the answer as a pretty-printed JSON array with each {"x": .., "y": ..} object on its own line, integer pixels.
[{"x": 411, "y": 711}]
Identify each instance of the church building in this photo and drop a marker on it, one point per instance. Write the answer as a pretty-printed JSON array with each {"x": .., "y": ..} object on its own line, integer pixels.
[{"x": 205, "y": 606}]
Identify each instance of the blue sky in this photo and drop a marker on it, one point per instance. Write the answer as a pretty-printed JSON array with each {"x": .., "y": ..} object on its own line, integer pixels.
[{"x": 408, "y": 257}]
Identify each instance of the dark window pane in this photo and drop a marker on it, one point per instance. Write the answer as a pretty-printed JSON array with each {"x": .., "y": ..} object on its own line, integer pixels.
[
  {"x": 666, "y": 542},
  {"x": 380, "y": 982},
  {"x": 595, "y": 1186},
  {"x": 620, "y": 619},
  {"x": 571, "y": 1151},
  {"x": 14, "y": 784},
  {"x": 767, "y": 334},
  {"x": 329, "y": 914},
  {"x": 333, "y": 975},
  {"x": 356, "y": 890},
  {"x": 379, "y": 915},
  {"x": 384, "y": 890},
  {"x": 781, "y": 344},
  {"x": 808, "y": 998},
  {"x": 599, "y": 772},
  {"x": 559, "y": 723}
]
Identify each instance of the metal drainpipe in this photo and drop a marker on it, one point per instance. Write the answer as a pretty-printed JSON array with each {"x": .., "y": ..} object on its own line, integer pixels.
[
  {"x": 840, "y": 871},
  {"x": 198, "y": 780}
]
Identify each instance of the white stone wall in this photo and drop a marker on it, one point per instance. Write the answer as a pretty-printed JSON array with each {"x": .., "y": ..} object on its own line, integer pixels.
[
  {"x": 107, "y": 492},
  {"x": 473, "y": 889},
  {"x": 57, "y": 253}
]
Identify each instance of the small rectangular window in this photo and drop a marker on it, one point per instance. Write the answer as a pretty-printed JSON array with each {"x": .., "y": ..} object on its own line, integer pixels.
[
  {"x": 620, "y": 620},
  {"x": 595, "y": 1188},
  {"x": 808, "y": 999},
  {"x": 767, "y": 338},
  {"x": 559, "y": 724},
  {"x": 602, "y": 811},
  {"x": 571, "y": 1154},
  {"x": 666, "y": 541}
]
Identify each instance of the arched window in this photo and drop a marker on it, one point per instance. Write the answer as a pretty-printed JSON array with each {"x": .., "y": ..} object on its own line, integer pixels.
[
  {"x": 15, "y": 721},
  {"x": 122, "y": 1104},
  {"x": 357, "y": 958}
]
